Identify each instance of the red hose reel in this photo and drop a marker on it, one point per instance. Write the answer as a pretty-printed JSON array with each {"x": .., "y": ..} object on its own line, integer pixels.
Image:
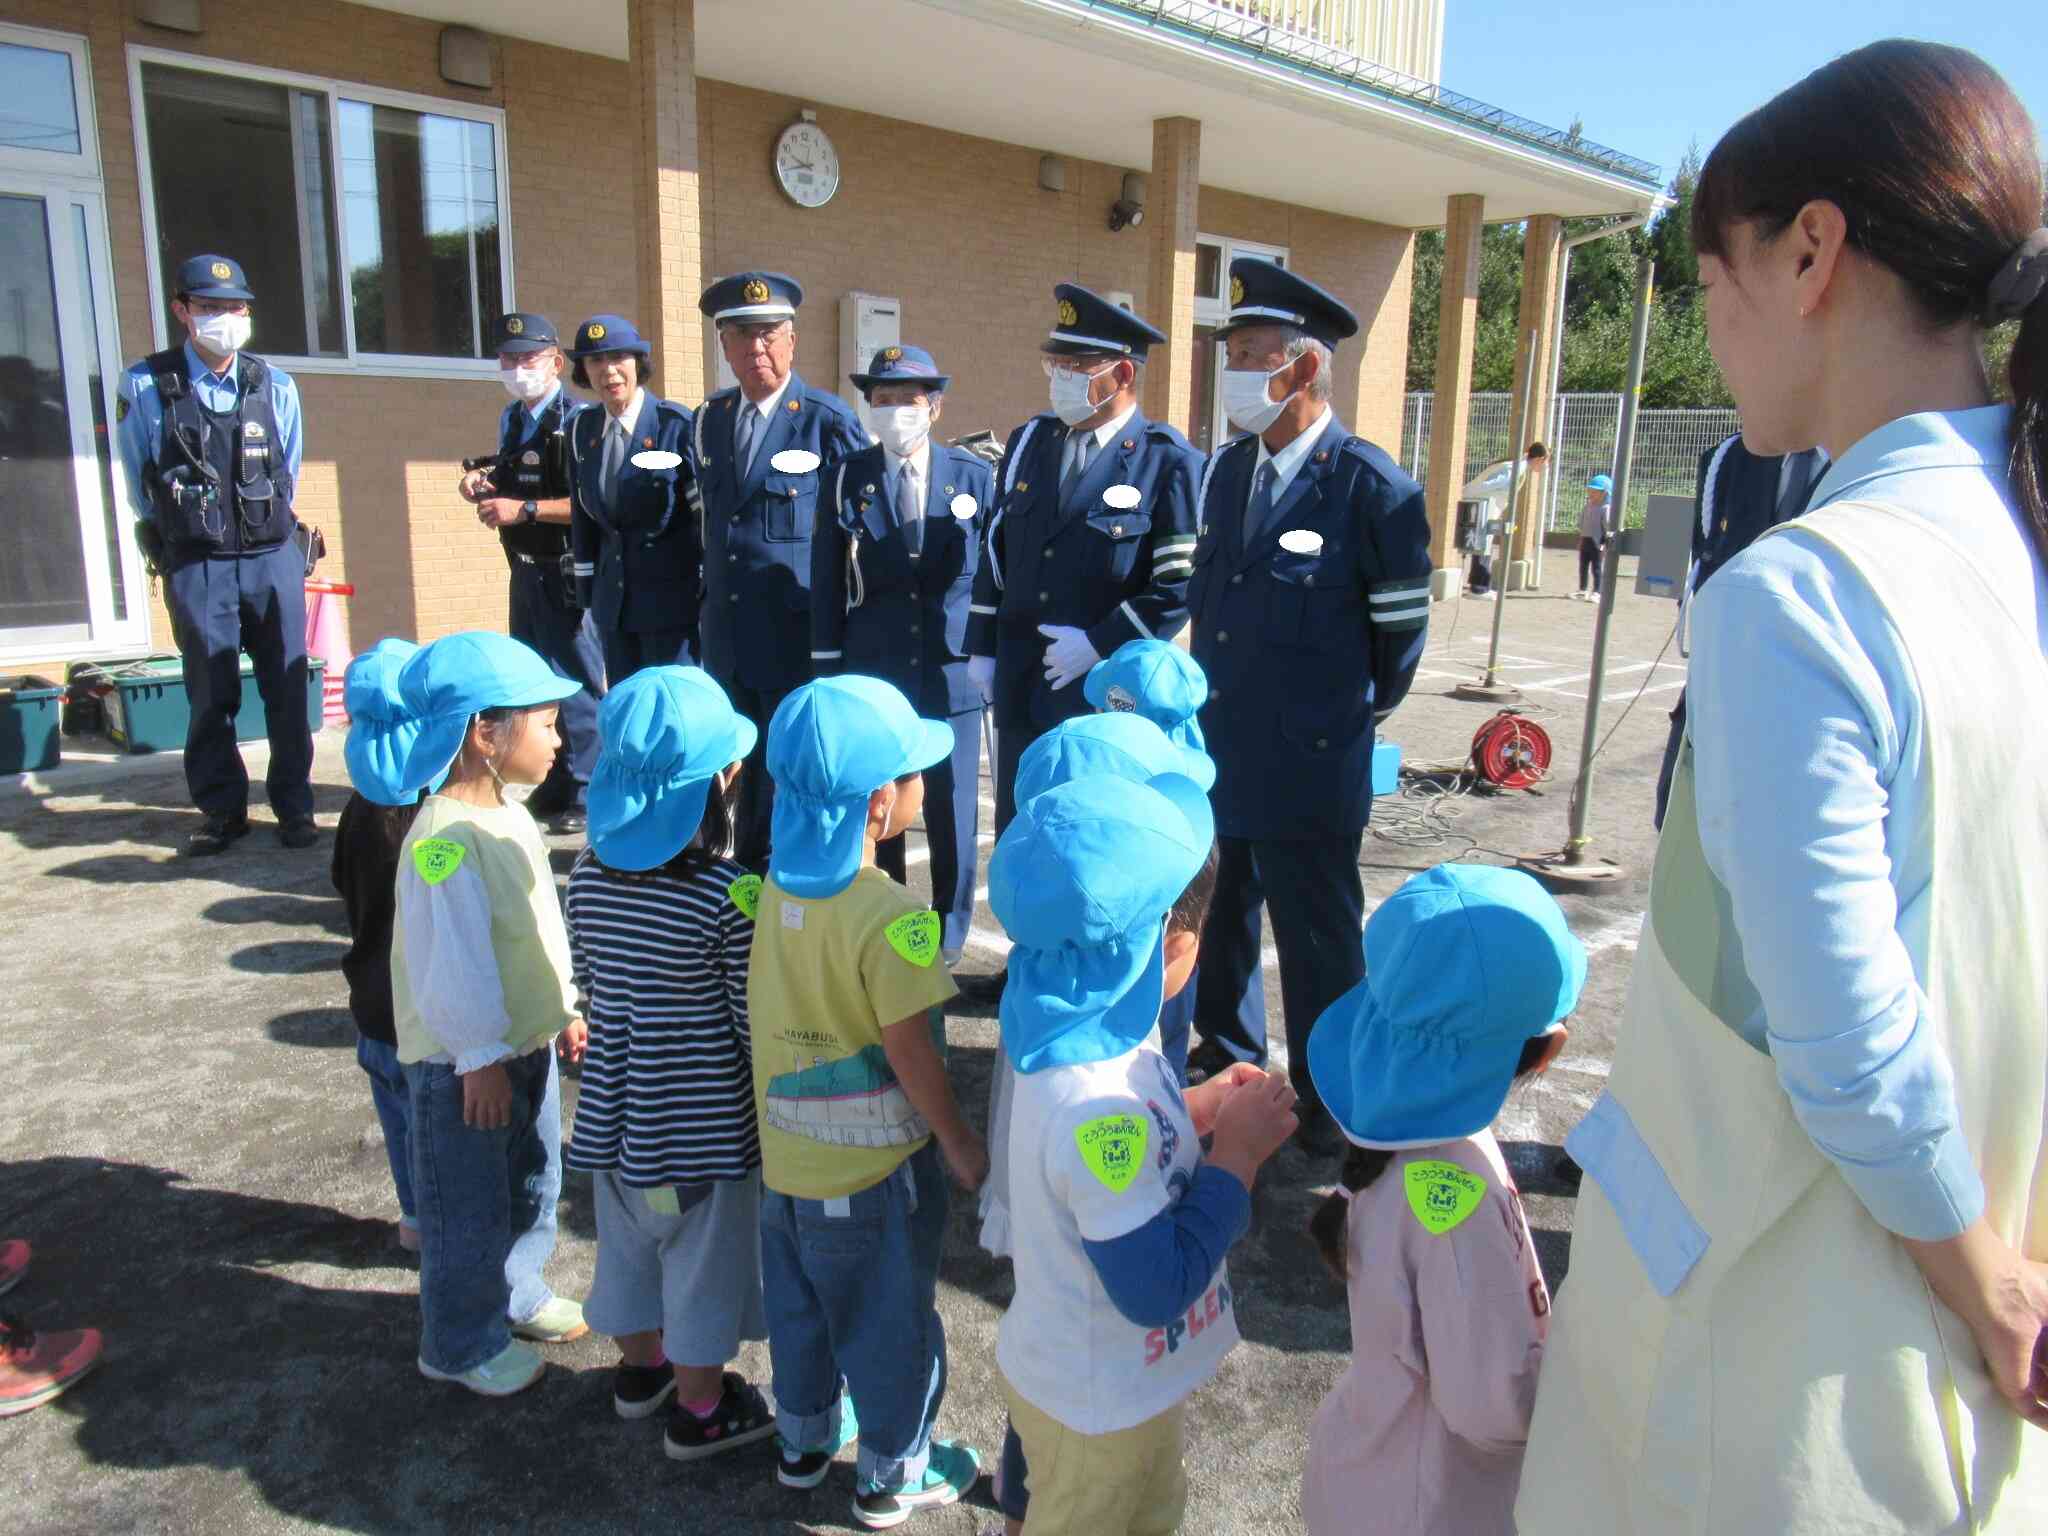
[{"x": 1511, "y": 751}]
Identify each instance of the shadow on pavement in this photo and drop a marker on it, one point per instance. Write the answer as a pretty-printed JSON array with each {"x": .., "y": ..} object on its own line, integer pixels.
[
  {"x": 290, "y": 957},
  {"x": 321, "y": 1028}
]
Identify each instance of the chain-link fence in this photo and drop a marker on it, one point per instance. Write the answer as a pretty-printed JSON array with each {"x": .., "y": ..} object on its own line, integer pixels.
[{"x": 1584, "y": 433}]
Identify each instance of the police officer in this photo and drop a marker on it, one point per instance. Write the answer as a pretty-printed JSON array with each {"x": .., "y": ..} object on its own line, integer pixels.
[
  {"x": 634, "y": 527},
  {"x": 1310, "y": 600},
  {"x": 209, "y": 437},
  {"x": 761, "y": 450},
  {"x": 892, "y": 573},
  {"x": 535, "y": 532}
]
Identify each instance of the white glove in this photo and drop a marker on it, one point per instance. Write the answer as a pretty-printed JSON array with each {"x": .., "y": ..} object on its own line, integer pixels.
[
  {"x": 1068, "y": 656},
  {"x": 981, "y": 671}
]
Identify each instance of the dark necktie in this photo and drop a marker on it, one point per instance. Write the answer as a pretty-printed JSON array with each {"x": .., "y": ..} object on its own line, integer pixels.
[{"x": 1259, "y": 511}]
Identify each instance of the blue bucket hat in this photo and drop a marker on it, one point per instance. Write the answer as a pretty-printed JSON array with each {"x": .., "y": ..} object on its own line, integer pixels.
[
  {"x": 381, "y": 730},
  {"x": 901, "y": 365},
  {"x": 833, "y": 743},
  {"x": 665, "y": 733},
  {"x": 1464, "y": 964},
  {"x": 1082, "y": 881},
  {"x": 1156, "y": 680},
  {"x": 450, "y": 682},
  {"x": 1124, "y": 746},
  {"x": 1601, "y": 483}
]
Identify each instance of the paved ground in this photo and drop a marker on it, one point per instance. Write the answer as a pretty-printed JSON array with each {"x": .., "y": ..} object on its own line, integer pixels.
[{"x": 191, "y": 1149}]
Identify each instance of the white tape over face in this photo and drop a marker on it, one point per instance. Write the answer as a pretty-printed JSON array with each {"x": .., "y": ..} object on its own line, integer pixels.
[
  {"x": 963, "y": 506},
  {"x": 656, "y": 458},
  {"x": 1301, "y": 541},
  {"x": 1122, "y": 497},
  {"x": 795, "y": 461}
]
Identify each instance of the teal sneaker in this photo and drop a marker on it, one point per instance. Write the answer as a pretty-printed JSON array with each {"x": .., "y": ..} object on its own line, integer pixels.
[
  {"x": 513, "y": 1369},
  {"x": 806, "y": 1469},
  {"x": 949, "y": 1472}
]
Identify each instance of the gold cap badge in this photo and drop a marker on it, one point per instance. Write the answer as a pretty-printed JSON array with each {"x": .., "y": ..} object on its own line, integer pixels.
[
  {"x": 222, "y": 270},
  {"x": 595, "y": 332},
  {"x": 756, "y": 291},
  {"x": 1068, "y": 314},
  {"x": 891, "y": 354},
  {"x": 515, "y": 326},
  {"x": 1236, "y": 292}
]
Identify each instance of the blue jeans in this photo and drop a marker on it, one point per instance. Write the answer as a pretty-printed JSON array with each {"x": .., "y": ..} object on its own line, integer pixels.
[
  {"x": 394, "y": 1112},
  {"x": 486, "y": 1203},
  {"x": 851, "y": 1289}
]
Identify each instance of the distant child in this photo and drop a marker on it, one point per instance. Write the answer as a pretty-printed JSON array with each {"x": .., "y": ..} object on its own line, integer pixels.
[
  {"x": 843, "y": 994},
  {"x": 480, "y": 990},
  {"x": 1469, "y": 972},
  {"x": 660, "y": 922},
  {"x": 365, "y": 872},
  {"x": 1121, "y": 1221}
]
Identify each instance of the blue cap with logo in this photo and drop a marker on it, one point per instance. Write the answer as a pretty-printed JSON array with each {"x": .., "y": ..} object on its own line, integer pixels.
[
  {"x": 901, "y": 365},
  {"x": 1086, "y": 322},
  {"x": 522, "y": 332},
  {"x": 752, "y": 298},
  {"x": 1156, "y": 680},
  {"x": 1266, "y": 293},
  {"x": 833, "y": 743},
  {"x": 608, "y": 333},
  {"x": 212, "y": 277},
  {"x": 1125, "y": 746},
  {"x": 1601, "y": 483},
  {"x": 1082, "y": 881},
  {"x": 382, "y": 731},
  {"x": 665, "y": 733},
  {"x": 447, "y": 684},
  {"x": 1464, "y": 964}
]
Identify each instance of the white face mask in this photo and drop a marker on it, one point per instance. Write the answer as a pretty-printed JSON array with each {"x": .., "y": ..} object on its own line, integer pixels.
[
  {"x": 1070, "y": 400},
  {"x": 1245, "y": 401},
  {"x": 223, "y": 335},
  {"x": 901, "y": 427},
  {"x": 527, "y": 384}
]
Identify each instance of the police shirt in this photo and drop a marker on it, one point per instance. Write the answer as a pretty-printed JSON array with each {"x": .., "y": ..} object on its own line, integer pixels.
[{"x": 139, "y": 418}]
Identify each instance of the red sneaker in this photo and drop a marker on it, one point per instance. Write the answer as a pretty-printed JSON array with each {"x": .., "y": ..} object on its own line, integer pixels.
[
  {"x": 13, "y": 1263},
  {"x": 35, "y": 1367}
]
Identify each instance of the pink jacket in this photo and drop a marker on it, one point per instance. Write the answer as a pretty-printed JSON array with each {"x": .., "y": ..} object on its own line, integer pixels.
[{"x": 1423, "y": 1433}]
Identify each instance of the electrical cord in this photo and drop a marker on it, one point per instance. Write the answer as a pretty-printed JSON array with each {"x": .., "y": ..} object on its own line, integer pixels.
[{"x": 1573, "y": 804}]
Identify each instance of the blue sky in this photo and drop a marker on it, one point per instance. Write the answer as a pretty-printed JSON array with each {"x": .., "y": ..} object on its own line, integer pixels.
[{"x": 1648, "y": 79}]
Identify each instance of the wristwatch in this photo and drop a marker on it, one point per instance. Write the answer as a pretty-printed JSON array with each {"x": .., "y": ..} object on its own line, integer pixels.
[{"x": 528, "y": 511}]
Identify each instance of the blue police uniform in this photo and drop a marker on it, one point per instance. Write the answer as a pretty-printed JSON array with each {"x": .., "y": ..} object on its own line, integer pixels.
[
  {"x": 544, "y": 611},
  {"x": 759, "y": 517},
  {"x": 1107, "y": 552},
  {"x": 211, "y": 462},
  {"x": 633, "y": 519},
  {"x": 889, "y": 598},
  {"x": 1309, "y": 620}
]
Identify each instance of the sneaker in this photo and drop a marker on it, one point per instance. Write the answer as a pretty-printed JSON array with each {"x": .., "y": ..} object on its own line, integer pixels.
[
  {"x": 642, "y": 1391},
  {"x": 512, "y": 1369},
  {"x": 807, "y": 1469},
  {"x": 741, "y": 1417},
  {"x": 948, "y": 1474},
  {"x": 408, "y": 1234},
  {"x": 35, "y": 1367},
  {"x": 556, "y": 1323},
  {"x": 13, "y": 1263},
  {"x": 214, "y": 835}
]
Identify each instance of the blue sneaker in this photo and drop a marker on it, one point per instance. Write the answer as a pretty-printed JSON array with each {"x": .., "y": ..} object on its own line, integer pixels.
[
  {"x": 806, "y": 1469},
  {"x": 949, "y": 1472}
]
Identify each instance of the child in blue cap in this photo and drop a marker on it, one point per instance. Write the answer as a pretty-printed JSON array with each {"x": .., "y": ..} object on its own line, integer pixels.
[
  {"x": 660, "y": 922},
  {"x": 1120, "y": 1220},
  {"x": 843, "y": 992},
  {"x": 480, "y": 991},
  {"x": 1470, "y": 972}
]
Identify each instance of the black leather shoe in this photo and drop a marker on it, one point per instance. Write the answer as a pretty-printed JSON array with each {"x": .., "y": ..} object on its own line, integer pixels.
[
  {"x": 1207, "y": 1060},
  {"x": 215, "y": 835},
  {"x": 570, "y": 823},
  {"x": 299, "y": 832}
]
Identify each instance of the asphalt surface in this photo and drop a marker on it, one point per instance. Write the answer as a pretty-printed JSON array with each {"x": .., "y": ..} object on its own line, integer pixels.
[{"x": 191, "y": 1149}]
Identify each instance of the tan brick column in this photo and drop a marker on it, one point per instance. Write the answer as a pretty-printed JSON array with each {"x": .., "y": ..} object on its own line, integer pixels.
[
  {"x": 1457, "y": 330},
  {"x": 663, "y": 40},
  {"x": 1170, "y": 203},
  {"x": 1542, "y": 248}
]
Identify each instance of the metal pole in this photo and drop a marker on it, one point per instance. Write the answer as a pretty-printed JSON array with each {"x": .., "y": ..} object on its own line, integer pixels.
[{"x": 1507, "y": 538}]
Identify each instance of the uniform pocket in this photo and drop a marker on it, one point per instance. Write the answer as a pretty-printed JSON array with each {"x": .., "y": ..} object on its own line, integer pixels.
[
  {"x": 790, "y": 507},
  {"x": 1667, "y": 1241},
  {"x": 1123, "y": 532},
  {"x": 1309, "y": 600}
]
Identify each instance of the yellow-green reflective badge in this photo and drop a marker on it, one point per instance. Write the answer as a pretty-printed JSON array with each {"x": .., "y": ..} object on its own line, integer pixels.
[
  {"x": 1113, "y": 1147},
  {"x": 663, "y": 1200},
  {"x": 436, "y": 858},
  {"x": 1442, "y": 1194},
  {"x": 915, "y": 936},
  {"x": 746, "y": 894}
]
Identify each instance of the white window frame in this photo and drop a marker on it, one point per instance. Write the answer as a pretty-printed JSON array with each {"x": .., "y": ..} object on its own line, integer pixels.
[
  {"x": 82, "y": 168},
  {"x": 367, "y": 364}
]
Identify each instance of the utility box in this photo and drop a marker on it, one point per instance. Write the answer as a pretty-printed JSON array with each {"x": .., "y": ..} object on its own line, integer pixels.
[
  {"x": 29, "y": 711},
  {"x": 868, "y": 322},
  {"x": 148, "y": 710},
  {"x": 1665, "y": 554},
  {"x": 1386, "y": 766}
]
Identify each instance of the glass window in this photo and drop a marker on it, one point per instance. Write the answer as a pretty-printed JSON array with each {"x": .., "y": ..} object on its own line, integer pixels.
[
  {"x": 1208, "y": 270},
  {"x": 38, "y": 109}
]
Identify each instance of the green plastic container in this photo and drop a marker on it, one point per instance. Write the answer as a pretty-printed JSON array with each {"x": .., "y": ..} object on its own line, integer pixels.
[
  {"x": 29, "y": 710},
  {"x": 148, "y": 710}
]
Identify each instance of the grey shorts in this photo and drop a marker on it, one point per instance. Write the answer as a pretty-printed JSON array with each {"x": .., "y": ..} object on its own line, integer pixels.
[{"x": 695, "y": 1275}]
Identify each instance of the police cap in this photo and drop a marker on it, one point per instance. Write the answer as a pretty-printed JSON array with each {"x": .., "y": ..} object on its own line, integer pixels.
[
  {"x": 901, "y": 365},
  {"x": 1264, "y": 293},
  {"x": 1087, "y": 322},
  {"x": 608, "y": 333},
  {"x": 752, "y": 298},
  {"x": 212, "y": 277},
  {"x": 519, "y": 332}
]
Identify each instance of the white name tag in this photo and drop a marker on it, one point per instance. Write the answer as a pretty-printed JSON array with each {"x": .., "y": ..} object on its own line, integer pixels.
[
  {"x": 656, "y": 458},
  {"x": 1301, "y": 541},
  {"x": 792, "y": 915},
  {"x": 963, "y": 506},
  {"x": 795, "y": 461},
  {"x": 1122, "y": 497}
]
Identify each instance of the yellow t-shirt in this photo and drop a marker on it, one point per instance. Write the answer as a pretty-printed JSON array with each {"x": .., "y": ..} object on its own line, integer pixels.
[{"x": 824, "y": 979}]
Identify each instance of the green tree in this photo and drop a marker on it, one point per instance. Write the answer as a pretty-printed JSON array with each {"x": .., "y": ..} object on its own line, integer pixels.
[{"x": 1670, "y": 238}]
